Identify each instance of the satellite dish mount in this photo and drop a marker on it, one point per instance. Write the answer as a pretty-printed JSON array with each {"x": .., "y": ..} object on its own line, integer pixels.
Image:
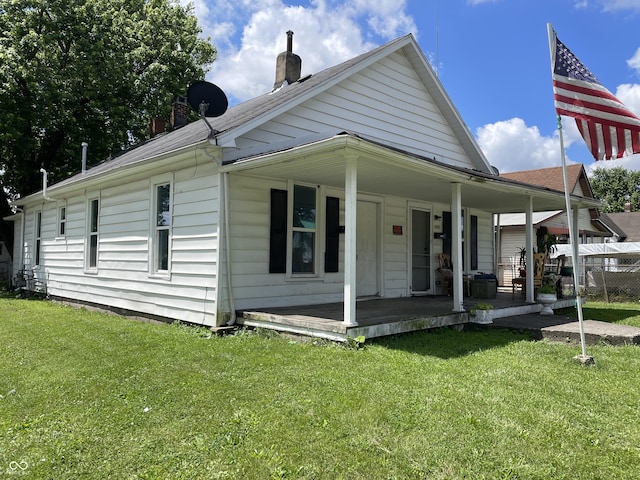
[{"x": 208, "y": 100}]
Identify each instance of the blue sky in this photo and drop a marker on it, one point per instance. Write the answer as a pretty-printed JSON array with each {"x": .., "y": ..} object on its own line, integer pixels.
[{"x": 492, "y": 56}]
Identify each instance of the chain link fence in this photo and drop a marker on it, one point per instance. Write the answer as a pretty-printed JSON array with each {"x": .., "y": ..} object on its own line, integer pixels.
[
  {"x": 609, "y": 279},
  {"x": 612, "y": 279}
]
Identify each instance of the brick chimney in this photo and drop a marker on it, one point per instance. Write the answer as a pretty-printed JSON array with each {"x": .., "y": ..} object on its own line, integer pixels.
[
  {"x": 288, "y": 65},
  {"x": 158, "y": 125},
  {"x": 179, "y": 112},
  {"x": 627, "y": 207}
]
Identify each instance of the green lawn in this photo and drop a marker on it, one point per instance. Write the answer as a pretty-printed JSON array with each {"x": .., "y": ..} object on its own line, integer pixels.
[
  {"x": 87, "y": 395},
  {"x": 622, "y": 313}
]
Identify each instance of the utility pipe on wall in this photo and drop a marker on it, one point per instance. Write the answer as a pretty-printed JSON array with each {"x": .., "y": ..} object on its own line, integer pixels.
[
  {"x": 44, "y": 185},
  {"x": 84, "y": 157}
]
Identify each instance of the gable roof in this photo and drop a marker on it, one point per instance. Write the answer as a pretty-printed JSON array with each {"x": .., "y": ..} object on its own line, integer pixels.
[
  {"x": 252, "y": 113},
  {"x": 552, "y": 178}
]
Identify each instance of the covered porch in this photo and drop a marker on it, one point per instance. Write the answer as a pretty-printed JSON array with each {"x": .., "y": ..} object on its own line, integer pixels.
[
  {"x": 380, "y": 317},
  {"x": 398, "y": 183}
]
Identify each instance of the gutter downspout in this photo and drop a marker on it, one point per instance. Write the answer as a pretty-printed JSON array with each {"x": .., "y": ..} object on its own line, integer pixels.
[{"x": 227, "y": 243}]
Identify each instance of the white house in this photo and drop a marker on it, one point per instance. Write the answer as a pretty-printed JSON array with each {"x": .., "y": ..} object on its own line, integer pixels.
[{"x": 335, "y": 186}]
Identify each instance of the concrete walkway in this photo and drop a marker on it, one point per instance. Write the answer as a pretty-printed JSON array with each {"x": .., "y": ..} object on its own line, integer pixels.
[{"x": 559, "y": 328}]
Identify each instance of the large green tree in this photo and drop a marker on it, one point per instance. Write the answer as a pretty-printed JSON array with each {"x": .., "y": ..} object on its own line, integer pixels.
[
  {"x": 616, "y": 186},
  {"x": 88, "y": 70}
]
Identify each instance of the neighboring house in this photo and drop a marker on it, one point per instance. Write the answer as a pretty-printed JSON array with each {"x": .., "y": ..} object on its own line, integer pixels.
[
  {"x": 6, "y": 267},
  {"x": 334, "y": 186},
  {"x": 512, "y": 226},
  {"x": 624, "y": 226}
]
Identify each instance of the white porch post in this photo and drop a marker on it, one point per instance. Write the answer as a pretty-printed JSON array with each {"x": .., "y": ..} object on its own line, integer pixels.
[
  {"x": 529, "y": 248},
  {"x": 350, "y": 252},
  {"x": 456, "y": 245}
]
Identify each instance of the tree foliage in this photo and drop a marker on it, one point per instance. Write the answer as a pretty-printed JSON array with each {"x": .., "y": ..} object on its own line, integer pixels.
[
  {"x": 88, "y": 70},
  {"x": 615, "y": 187}
]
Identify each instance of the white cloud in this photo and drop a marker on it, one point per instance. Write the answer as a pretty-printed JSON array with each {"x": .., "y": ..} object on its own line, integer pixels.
[
  {"x": 629, "y": 94},
  {"x": 634, "y": 62},
  {"x": 249, "y": 34},
  {"x": 615, "y": 5},
  {"x": 479, "y": 2},
  {"x": 511, "y": 145}
]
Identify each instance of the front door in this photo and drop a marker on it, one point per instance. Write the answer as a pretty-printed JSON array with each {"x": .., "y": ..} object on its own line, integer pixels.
[
  {"x": 367, "y": 249},
  {"x": 420, "y": 251}
]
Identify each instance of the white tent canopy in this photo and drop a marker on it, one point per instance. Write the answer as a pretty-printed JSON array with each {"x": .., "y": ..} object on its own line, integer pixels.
[{"x": 614, "y": 249}]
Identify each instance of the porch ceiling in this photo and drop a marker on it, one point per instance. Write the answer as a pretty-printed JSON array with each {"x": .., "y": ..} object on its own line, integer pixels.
[{"x": 385, "y": 171}]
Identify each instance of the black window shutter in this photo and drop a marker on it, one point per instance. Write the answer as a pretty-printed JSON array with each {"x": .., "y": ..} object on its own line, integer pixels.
[
  {"x": 332, "y": 236},
  {"x": 474, "y": 242},
  {"x": 446, "y": 229},
  {"x": 278, "y": 232}
]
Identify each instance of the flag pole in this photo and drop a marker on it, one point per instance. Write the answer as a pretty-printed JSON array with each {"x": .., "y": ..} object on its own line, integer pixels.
[{"x": 584, "y": 358}]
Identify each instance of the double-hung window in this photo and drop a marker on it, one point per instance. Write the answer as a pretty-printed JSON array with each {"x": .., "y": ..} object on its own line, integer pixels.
[
  {"x": 92, "y": 234},
  {"x": 303, "y": 230},
  {"x": 162, "y": 228},
  {"x": 62, "y": 221},
  {"x": 38, "y": 228}
]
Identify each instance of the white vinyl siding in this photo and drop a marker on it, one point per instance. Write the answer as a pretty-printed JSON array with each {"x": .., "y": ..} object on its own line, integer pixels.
[{"x": 123, "y": 280}]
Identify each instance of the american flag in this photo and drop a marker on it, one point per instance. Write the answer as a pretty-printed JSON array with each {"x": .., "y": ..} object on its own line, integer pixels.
[{"x": 608, "y": 127}]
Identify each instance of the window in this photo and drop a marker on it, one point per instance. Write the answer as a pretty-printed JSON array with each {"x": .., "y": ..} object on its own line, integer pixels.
[
  {"x": 303, "y": 231},
  {"x": 38, "y": 237},
  {"x": 62, "y": 221},
  {"x": 162, "y": 226},
  {"x": 92, "y": 256}
]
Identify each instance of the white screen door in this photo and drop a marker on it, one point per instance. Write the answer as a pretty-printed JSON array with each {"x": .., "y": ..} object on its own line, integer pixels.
[{"x": 420, "y": 251}]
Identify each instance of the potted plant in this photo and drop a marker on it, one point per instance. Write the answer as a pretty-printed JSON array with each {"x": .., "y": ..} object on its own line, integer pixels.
[
  {"x": 482, "y": 313},
  {"x": 522, "y": 251},
  {"x": 547, "y": 297}
]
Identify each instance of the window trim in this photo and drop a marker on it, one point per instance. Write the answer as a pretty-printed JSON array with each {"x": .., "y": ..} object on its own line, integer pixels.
[
  {"x": 37, "y": 237},
  {"x": 318, "y": 231},
  {"x": 154, "y": 271},
  {"x": 62, "y": 220},
  {"x": 90, "y": 234}
]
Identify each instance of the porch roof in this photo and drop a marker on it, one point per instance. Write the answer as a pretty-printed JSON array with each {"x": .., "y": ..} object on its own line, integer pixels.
[{"x": 384, "y": 170}]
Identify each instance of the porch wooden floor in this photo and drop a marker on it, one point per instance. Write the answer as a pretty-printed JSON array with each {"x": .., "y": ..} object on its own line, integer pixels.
[{"x": 381, "y": 316}]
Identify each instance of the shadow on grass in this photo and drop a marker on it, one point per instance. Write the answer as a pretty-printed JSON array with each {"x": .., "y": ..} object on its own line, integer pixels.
[
  {"x": 611, "y": 315},
  {"x": 447, "y": 342}
]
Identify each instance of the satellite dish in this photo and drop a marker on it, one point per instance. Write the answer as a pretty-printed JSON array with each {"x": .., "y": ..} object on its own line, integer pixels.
[{"x": 207, "y": 99}]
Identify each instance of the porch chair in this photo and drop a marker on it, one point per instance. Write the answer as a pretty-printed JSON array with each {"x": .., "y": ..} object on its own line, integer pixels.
[
  {"x": 445, "y": 269},
  {"x": 538, "y": 269}
]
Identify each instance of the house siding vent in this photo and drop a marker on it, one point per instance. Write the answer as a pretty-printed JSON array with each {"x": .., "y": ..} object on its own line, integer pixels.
[{"x": 288, "y": 65}]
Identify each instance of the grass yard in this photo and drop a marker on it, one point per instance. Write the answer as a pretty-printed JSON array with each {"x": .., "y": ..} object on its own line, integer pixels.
[
  {"x": 622, "y": 313},
  {"x": 88, "y": 395}
]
